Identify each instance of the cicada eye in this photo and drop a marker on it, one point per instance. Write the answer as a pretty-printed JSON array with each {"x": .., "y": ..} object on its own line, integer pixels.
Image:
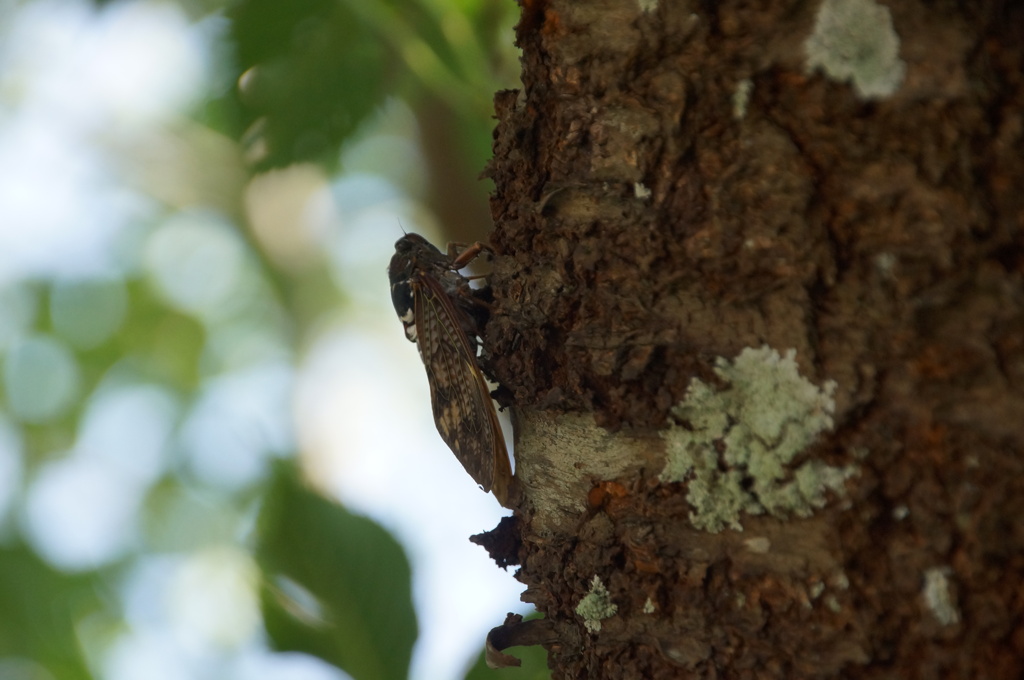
[{"x": 401, "y": 297}]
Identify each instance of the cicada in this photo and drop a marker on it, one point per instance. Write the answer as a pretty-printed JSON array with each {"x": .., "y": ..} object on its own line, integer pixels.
[{"x": 441, "y": 315}]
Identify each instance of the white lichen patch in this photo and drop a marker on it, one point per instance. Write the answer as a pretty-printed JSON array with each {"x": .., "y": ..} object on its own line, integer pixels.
[
  {"x": 758, "y": 544},
  {"x": 741, "y": 98},
  {"x": 733, "y": 446},
  {"x": 939, "y": 598},
  {"x": 816, "y": 589},
  {"x": 648, "y": 606},
  {"x": 596, "y": 606},
  {"x": 854, "y": 41},
  {"x": 885, "y": 264}
]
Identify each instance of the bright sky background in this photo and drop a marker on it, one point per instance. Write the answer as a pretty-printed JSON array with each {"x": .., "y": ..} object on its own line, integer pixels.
[{"x": 87, "y": 95}]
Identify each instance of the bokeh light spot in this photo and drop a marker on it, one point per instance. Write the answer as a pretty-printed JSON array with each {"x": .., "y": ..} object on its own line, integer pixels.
[
  {"x": 17, "y": 311},
  {"x": 128, "y": 429},
  {"x": 213, "y": 596},
  {"x": 235, "y": 427},
  {"x": 80, "y": 515},
  {"x": 41, "y": 379},
  {"x": 196, "y": 263}
]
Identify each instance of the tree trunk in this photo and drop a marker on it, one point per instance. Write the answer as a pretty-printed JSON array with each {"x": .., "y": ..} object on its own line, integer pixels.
[{"x": 758, "y": 317}]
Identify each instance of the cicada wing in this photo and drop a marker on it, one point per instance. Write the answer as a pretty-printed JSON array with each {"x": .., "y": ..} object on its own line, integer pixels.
[{"x": 461, "y": 401}]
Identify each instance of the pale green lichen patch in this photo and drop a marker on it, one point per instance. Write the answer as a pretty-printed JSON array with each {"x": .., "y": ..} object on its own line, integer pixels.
[
  {"x": 741, "y": 98},
  {"x": 734, "y": 446},
  {"x": 854, "y": 41},
  {"x": 596, "y": 605},
  {"x": 939, "y": 598}
]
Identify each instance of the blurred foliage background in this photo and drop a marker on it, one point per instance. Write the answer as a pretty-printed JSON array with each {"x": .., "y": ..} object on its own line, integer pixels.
[{"x": 216, "y": 454}]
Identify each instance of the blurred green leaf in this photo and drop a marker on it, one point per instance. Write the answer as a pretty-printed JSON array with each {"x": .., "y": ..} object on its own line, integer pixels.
[
  {"x": 335, "y": 585},
  {"x": 39, "y": 609},
  {"x": 319, "y": 72},
  {"x": 315, "y": 69}
]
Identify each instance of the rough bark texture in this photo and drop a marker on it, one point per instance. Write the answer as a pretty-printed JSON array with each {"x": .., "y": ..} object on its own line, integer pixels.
[{"x": 680, "y": 181}]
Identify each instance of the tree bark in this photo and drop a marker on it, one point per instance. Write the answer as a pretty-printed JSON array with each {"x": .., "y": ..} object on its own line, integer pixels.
[{"x": 758, "y": 317}]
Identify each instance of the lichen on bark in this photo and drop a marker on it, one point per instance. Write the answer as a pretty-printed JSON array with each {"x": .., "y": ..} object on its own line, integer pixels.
[
  {"x": 596, "y": 606},
  {"x": 765, "y": 416}
]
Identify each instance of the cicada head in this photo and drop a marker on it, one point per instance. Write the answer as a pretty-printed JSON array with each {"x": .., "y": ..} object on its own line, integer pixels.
[{"x": 412, "y": 253}]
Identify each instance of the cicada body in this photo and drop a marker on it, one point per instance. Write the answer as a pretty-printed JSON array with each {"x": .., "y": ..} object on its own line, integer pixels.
[{"x": 438, "y": 309}]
